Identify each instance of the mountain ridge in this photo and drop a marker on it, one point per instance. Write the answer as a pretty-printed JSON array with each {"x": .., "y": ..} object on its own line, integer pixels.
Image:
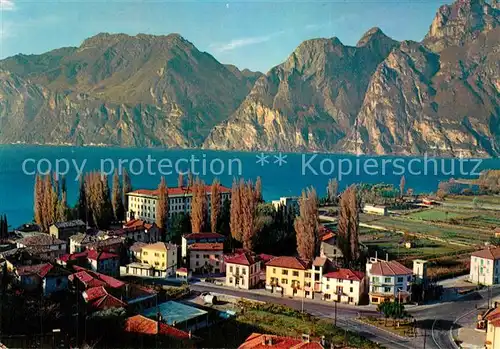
[{"x": 380, "y": 96}]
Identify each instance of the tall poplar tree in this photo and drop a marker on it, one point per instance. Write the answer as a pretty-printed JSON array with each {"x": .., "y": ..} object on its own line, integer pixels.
[
  {"x": 248, "y": 209},
  {"x": 258, "y": 190},
  {"x": 117, "y": 198},
  {"x": 162, "y": 208},
  {"x": 235, "y": 212},
  {"x": 127, "y": 188},
  {"x": 402, "y": 184},
  {"x": 198, "y": 206},
  {"x": 306, "y": 225},
  {"x": 348, "y": 224},
  {"x": 215, "y": 204},
  {"x": 39, "y": 200}
]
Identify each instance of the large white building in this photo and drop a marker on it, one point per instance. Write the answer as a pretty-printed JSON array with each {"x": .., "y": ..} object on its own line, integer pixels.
[
  {"x": 485, "y": 266},
  {"x": 388, "y": 280},
  {"x": 142, "y": 202}
]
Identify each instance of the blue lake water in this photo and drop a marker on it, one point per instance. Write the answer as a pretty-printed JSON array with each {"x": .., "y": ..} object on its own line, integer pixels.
[{"x": 281, "y": 176}]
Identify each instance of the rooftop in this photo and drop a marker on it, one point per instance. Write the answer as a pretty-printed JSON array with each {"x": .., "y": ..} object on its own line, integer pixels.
[
  {"x": 160, "y": 246},
  {"x": 144, "y": 325},
  {"x": 389, "y": 268},
  {"x": 488, "y": 253},
  {"x": 345, "y": 274},
  {"x": 265, "y": 341},
  {"x": 137, "y": 224},
  {"x": 40, "y": 240},
  {"x": 288, "y": 262},
  {"x": 40, "y": 269},
  {"x": 70, "y": 224},
  {"x": 200, "y": 236},
  {"x": 137, "y": 246},
  {"x": 100, "y": 256},
  {"x": 244, "y": 258},
  {"x": 174, "y": 312},
  {"x": 176, "y": 191},
  {"x": 207, "y": 246},
  {"x": 86, "y": 276}
]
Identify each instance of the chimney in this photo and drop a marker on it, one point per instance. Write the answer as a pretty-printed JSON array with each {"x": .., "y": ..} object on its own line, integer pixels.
[{"x": 387, "y": 257}]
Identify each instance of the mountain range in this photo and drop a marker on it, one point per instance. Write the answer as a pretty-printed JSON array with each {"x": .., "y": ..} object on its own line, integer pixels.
[{"x": 439, "y": 96}]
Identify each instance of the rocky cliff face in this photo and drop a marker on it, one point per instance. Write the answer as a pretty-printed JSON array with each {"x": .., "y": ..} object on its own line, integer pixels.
[
  {"x": 118, "y": 90},
  {"x": 307, "y": 103},
  {"x": 439, "y": 96}
]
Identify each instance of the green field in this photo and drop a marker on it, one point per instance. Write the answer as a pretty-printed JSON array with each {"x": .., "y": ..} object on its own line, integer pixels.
[
  {"x": 233, "y": 332},
  {"x": 435, "y": 215}
]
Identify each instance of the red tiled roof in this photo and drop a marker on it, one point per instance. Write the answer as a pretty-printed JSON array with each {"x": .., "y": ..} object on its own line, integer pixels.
[
  {"x": 242, "y": 259},
  {"x": 182, "y": 270},
  {"x": 207, "y": 246},
  {"x": 73, "y": 256},
  {"x": 345, "y": 274},
  {"x": 38, "y": 269},
  {"x": 258, "y": 341},
  {"x": 94, "y": 293},
  {"x": 320, "y": 261},
  {"x": 388, "y": 268},
  {"x": 110, "y": 281},
  {"x": 100, "y": 256},
  {"x": 266, "y": 257},
  {"x": 199, "y": 236},
  {"x": 288, "y": 262},
  {"x": 177, "y": 191},
  {"x": 488, "y": 253},
  {"x": 325, "y": 233},
  {"x": 143, "y": 325},
  {"x": 107, "y": 302}
]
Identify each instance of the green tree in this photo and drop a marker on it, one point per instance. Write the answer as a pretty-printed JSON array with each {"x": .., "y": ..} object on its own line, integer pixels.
[
  {"x": 181, "y": 224},
  {"x": 127, "y": 188},
  {"x": 81, "y": 202}
]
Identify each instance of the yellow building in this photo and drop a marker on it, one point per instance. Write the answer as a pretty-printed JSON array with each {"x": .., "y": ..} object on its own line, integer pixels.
[
  {"x": 493, "y": 329},
  {"x": 289, "y": 276},
  {"x": 162, "y": 257}
]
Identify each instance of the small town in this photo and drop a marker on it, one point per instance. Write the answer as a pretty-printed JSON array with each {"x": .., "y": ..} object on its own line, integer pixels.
[{"x": 208, "y": 266}]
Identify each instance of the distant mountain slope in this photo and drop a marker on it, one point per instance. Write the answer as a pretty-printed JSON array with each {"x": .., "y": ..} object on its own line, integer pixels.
[
  {"x": 439, "y": 96},
  {"x": 117, "y": 89}
]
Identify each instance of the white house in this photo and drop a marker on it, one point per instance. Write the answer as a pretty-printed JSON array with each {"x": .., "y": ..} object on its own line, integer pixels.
[
  {"x": 344, "y": 286},
  {"x": 485, "y": 266},
  {"x": 289, "y": 202},
  {"x": 142, "y": 202},
  {"x": 193, "y": 238},
  {"x": 243, "y": 270},
  {"x": 376, "y": 210},
  {"x": 388, "y": 280}
]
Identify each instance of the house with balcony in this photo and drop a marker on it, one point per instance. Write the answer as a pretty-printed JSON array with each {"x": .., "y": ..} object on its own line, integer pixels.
[
  {"x": 289, "y": 276},
  {"x": 206, "y": 257},
  {"x": 485, "y": 266},
  {"x": 193, "y": 238},
  {"x": 388, "y": 281},
  {"x": 344, "y": 286},
  {"x": 243, "y": 270}
]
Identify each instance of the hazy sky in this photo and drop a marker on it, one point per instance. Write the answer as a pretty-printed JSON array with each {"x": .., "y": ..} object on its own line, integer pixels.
[{"x": 250, "y": 34}]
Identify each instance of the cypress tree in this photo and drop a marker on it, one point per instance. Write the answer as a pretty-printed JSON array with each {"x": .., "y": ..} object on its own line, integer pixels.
[
  {"x": 215, "y": 204},
  {"x": 116, "y": 198},
  {"x": 127, "y": 188},
  {"x": 81, "y": 204},
  {"x": 162, "y": 207}
]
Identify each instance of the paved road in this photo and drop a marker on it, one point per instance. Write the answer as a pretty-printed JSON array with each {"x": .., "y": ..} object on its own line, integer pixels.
[{"x": 345, "y": 316}]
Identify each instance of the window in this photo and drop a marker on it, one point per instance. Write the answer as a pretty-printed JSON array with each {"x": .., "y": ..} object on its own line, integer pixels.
[
  {"x": 327, "y": 286},
  {"x": 375, "y": 279},
  {"x": 197, "y": 263},
  {"x": 284, "y": 281},
  {"x": 217, "y": 263},
  {"x": 350, "y": 289},
  {"x": 157, "y": 255},
  {"x": 351, "y": 299},
  {"x": 387, "y": 289},
  {"x": 230, "y": 280},
  {"x": 197, "y": 256},
  {"x": 295, "y": 273},
  {"x": 284, "y": 272},
  {"x": 163, "y": 254},
  {"x": 400, "y": 279},
  {"x": 144, "y": 253},
  {"x": 387, "y": 280},
  {"x": 244, "y": 271},
  {"x": 205, "y": 256},
  {"x": 243, "y": 282},
  {"x": 340, "y": 280}
]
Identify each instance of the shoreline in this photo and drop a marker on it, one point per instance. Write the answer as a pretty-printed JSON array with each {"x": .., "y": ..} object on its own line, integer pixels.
[{"x": 102, "y": 146}]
